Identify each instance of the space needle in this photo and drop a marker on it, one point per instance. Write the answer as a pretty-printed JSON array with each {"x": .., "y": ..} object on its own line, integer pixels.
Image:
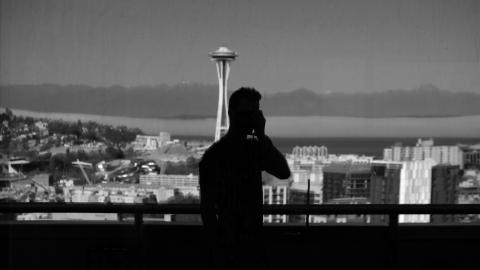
[{"x": 222, "y": 57}]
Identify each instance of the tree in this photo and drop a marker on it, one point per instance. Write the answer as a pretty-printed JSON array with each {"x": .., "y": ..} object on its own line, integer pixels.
[
  {"x": 6, "y": 133},
  {"x": 15, "y": 146},
  {"x": 32, "y": 154},
  {"x": 47, "y": 146},
  {"x": 9, "y": 114},
  {"x": 192, "y": 165},
  {"x": 92, "y": 135},
  {"x": 114, "y": 136},
  {"x": 130, "y": 153},
  {"x": 81, "y": 155},
  {"x": 59, "y": 163},
  {"x": 77, "y": 130},
  {"x": 114, "y": 153},
  {"x": 30, "y": 121}
]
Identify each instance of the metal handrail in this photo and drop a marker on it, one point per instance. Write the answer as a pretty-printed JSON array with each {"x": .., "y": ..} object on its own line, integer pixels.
[
  {"x": 292, "y": 209},
  {"x": 392, "y": 210}
]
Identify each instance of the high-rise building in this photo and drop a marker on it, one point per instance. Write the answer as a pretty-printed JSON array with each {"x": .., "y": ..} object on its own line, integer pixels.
[
  {"x": 346, "y": 180},
  {"x": 275, "y": 195},
  {"x": 450, "y": 155},
  {"x": 397, "y": 153},
  {"x": 437, "y": 154},
  {"x": 445, "y": 180},
  {"x": 377, "y": 182},
  {"x": 407, "y": 182},
  {"x": 387, "y": 154},
  {"x": 384, "y": 187},
  {"x": 472, "y": 156},
  {"x": 469, "y": 193},
  {"x": 415, "y": 187},
  {"x": 385, "y": 183},
  {"x": 312, "y": 152},
  {"x": 417, "y": 153}
]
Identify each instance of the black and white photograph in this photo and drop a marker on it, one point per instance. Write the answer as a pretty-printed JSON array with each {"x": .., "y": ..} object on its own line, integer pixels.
[{"x": 223, "y": 134}]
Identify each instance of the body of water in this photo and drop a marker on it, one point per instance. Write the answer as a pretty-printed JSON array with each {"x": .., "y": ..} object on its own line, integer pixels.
[
  {"x": 348, "y": 145},
  {"x": 342, "y": 135}
]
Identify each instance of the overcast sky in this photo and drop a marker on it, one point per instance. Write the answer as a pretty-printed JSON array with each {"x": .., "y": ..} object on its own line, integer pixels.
[{"x": 348, "y": 46}]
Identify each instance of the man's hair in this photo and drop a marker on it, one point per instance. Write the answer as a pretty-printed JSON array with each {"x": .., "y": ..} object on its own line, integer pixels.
[{"x": 248, "y": 93}]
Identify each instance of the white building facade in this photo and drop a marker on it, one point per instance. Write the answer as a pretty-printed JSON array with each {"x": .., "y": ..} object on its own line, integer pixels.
[
  {"x": 143, "y": 142},
  {"x": 415, "y": 187},
  {"x": 451, "y": 155},
  {"x": 169, "y": 180}
]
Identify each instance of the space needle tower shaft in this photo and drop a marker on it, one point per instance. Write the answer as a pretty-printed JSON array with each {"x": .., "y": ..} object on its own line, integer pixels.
[{"x": 222, "y": 57}]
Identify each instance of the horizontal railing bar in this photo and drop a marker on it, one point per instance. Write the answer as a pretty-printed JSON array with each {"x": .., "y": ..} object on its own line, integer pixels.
[
  {"x": 325, "y": 209},
  {"x": 99, "y": 208},
  {"x": 379, "y": 209}
]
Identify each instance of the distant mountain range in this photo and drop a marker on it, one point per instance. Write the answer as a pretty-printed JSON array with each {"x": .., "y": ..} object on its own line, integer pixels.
[{"x": 200, "y": 101}]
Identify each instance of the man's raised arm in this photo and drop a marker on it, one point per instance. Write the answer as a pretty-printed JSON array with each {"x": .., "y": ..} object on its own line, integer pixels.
[{"x": 272, "y": 160}]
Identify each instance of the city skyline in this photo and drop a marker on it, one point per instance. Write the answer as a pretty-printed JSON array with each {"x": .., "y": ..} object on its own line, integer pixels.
[
  {"x": 372, "y": 122},
  {"x": 340, "y": 46}
]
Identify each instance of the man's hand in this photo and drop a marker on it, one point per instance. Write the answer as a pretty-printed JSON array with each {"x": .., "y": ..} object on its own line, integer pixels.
[{"x": 259, "y": 124}]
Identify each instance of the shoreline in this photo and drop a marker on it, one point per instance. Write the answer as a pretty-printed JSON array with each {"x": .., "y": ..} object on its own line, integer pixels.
[{"x": 294, "y": 127}]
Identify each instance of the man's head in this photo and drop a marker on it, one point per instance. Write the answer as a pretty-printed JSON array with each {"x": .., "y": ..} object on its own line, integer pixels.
[{"x": 243, "y": 104}]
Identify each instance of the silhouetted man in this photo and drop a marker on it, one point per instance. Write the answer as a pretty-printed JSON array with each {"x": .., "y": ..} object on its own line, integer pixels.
[{"x": 231, "y": 185}]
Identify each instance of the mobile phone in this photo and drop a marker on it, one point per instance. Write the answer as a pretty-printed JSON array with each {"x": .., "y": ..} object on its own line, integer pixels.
[{"x": 254, "y": 119}]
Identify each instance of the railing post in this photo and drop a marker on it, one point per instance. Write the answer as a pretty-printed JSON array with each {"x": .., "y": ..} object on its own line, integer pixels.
[
  {"x": 393, "y": 238},
  {"x": 138, "y": 219},
  {"x": 140, "y": 246},
  {"x": 307, "y": 217}
]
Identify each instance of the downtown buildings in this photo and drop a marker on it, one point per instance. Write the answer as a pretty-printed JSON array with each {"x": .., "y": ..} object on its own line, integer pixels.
[
  {"x": 471, "y": 155},
  {"x": 446, "y": 181},
  {"x": 420, "y": 180},
  {"x": 149, "y": 143},
  {"x": 185, "y": 184},
  {"x": 425, "y": 149},
  {"x": 386, "y": 182},
  {"x": 375, "y": 183},
  {"x": 415, "y": 187},
  {"x": 306, "y": 187}
]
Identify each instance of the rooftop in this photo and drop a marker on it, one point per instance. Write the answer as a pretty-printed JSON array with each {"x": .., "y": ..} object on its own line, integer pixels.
[{"x": 347, "y": 168}]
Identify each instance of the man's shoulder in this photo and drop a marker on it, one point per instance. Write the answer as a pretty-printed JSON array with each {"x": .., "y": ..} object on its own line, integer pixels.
[{"x": 213, "y": 152}]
